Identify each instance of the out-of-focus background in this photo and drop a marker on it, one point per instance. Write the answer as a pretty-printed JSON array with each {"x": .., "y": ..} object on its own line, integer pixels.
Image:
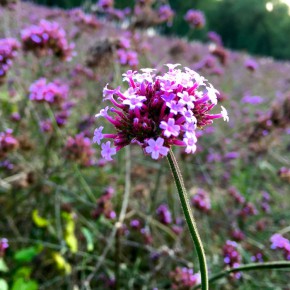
[{"x": 257, "y": 26}]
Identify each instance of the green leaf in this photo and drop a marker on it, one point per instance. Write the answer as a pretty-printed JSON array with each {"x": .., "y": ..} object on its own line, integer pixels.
[
  {"x": 21, "y": 284},
  {"x": 3, "y": 266},
  {"x": 3, "y": 285},
  {"x": 89, "y": 239},
  {"x": 27, "y": 254}
]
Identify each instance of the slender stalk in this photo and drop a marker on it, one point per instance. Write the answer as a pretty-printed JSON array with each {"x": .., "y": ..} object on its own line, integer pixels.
[
  {"x": 189, "y": 218},
  {"x": 249, "y": 267}
]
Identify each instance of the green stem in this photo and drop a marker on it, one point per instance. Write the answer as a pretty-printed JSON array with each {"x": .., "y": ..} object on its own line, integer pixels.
[
  {"x": 189, "y": 218},
  {"x": 249, "y": 267}
]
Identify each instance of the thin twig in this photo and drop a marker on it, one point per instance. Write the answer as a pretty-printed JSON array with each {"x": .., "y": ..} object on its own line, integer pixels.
[{"x": 120, "y": 221}]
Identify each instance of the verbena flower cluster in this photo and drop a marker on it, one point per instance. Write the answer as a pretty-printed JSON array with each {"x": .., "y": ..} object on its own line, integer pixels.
[
  {"x": 84, "y": 20},
  {"x": 157, "y": 112},
  {"x": 8, "y": 51},
  {"x": 47, "y": 38},
  {"x": 164, "y": 214},
  {"x": 7, "y": 142},
  {"x": 184, "y": 278},
  {"x": 105, "y": 205},
  {"x": 166, "y": 14},
  {"x": 279, "y": 242},
  {"x": 232, "y": 258},
  {"x": 195, "y": 18},
  {"x": 79, "y": 149},
  {"x": 3, "y": 246},
  {"x": 201, "y": 200},
  {"x": 53, "y": 93}
]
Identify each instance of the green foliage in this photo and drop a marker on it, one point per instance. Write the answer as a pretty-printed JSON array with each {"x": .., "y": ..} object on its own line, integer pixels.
[
  {"x": 3, "y": 285},
  {"x": 27, "y": 254}
]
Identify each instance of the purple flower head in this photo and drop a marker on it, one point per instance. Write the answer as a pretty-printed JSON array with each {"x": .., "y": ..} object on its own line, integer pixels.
[
  {"x": 279, "y": 242},
  {"x": 201, "y": 201},
  {"x": 184, "y": 278},
  {"x": 8, "y": 51},
  {"x": 166, "y": 14},
  {"x": 105, "y": 4},
  {"x": 195, "y": 18},
  {"x": 3, "y": 246},
  {"x": 52, "y": 93},
  {"x": 47, "y": 38},
  {"x": 232, "y": 258},
  {"x": 79, "y": 149},
  {"x": 214, "y": 37},
  {"x": 253, "y": 100},
  {"x": 251, "y": 65},
  {"x": 157, "y": 112},
  {"x": 8, "y": 143},
  {"x": 164, "y": 215}
]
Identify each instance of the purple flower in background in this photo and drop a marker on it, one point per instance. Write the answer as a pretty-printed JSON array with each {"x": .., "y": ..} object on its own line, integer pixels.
[
  {"x": 184, "y": 278},
  {"x": 105, "y": 4},
  {"x": 8, "y": 143},
  {"x": 52, "y": 93},
  {"x": 79, "y": 149},
  {"x": 8, "y": 51},
  {"x": 251, "y": 65},
  {"x": 166, "y": 14},
  {"x": 164, "y": 215},
  {"x": 157, "y": 112},
  {"x": 201, "y": 200},
  {"x": 232, "y": 258},
  {"x": 214, "y": 37},
  {"x": 46, "y": 38},
  {"x": 279, "y": 242},
  {"x": 3, "y": 246},
  {"x": 195, "y": 18},
  {"x": 253, "y": 100}
]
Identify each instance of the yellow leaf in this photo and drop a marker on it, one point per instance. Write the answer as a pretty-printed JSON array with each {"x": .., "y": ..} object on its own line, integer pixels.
[
  {"x": 69, "y": 234},
  {"x": 61, "y": 263},
  {"x": 38, "y": 220}
]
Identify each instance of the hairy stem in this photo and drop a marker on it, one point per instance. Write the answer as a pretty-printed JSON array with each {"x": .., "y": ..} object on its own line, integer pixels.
[
  {"x": 249, "y": 267},
  {"x": 189, "y": 218}
]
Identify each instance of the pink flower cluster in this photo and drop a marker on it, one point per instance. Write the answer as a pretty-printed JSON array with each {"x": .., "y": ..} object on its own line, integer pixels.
[
  {"x": 232, "y": 257},
  {"x": 157, "y": 112},
  {"x": 47, "y": 38},
  {"x": 83, "y": 19},
  {"x": 52, "y": 93},
  {"x": 201, "y": 201},
  {"x": 195, "y": 18},
  {"x": 7, "y": 142},
  {"x": 279, "y": 242},
  {"x": 79, "y": 149},
  {"x": 104, "y": 205},
  {"x": 247, "y": 210},
  {"x": 127, "y": 57},
  {"x": 105, "y": 4},
  {"x": 164, "y": 215},
  {"x": 166, "y": 14},
  {"x": 8, "y": 51},
  {"x": 3, "y": 246},
  {"x": 184, "y": 278}
]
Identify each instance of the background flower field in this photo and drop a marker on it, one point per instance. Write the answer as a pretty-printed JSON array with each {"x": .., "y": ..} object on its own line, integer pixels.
[{"x": 72, "y": 220}]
